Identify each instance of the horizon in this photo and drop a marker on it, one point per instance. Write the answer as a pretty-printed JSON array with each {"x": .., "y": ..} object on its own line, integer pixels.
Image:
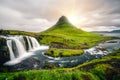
[{"x": 39, "y": 15}]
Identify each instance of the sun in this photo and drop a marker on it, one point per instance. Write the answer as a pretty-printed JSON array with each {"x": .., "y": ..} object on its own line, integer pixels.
[
  {"x": 73, "y": 19},
  {"x": 76, "y": 19}
]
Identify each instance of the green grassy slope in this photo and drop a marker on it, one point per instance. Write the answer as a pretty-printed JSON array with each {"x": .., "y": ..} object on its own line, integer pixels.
[
  {"x": 107, "y": 68},
  {"x": 69, "y": 36},
  {"x": 64, "y": 35}
]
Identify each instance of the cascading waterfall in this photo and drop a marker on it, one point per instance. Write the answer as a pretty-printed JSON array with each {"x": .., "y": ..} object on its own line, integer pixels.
[
  {"x": 23, "y": 41},
  {"x": 34, "y": 42},
  {"x": 19, "y": 46},
  {"x": 12, "y": 57},
  {"x": 29, "y": 44}
]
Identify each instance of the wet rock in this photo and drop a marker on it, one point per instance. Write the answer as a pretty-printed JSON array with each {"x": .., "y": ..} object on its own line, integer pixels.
[{"x": 4, "y": 53}]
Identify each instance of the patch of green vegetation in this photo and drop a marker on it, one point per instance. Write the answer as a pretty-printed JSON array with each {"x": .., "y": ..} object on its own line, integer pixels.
[
  {"x": 15, "y": 32},
  {"x": 115, "y": 53},
  {"x": 63, "y": 52},
  {"x": 48, "y": 75},
  {"x": 107, "y": 68}
]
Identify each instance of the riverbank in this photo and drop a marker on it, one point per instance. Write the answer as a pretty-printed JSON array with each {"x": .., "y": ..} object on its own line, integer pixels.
[{"x": 106, "y": 68}]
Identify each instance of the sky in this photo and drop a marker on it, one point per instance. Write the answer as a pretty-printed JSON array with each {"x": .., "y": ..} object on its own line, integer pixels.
[{"x": 39, "y": 15}]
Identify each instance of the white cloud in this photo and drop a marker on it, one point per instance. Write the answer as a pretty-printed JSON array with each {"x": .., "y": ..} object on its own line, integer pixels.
[{"x": 38, "y": 15}]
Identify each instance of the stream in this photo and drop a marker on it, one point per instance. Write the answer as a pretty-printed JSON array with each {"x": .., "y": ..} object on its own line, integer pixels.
[{"x": 35, "y": 58}]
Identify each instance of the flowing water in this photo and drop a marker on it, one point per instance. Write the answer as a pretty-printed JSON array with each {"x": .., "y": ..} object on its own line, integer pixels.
[
  {"x": 34, "y": 58},
  {"x": 17, "y": 48}
]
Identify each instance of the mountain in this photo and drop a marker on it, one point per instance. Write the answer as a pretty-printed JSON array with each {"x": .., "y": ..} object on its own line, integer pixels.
[
  {"x": 115, "y": 31},
  {"x": 63, "y": 25},
  {"x": 63, "y": 20},
  {"x": 100, "y": 31},
  {"x": 65, "y": 35}
]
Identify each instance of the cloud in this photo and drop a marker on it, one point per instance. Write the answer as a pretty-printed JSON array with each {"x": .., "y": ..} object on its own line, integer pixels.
[{"x": 39, "y": 15}]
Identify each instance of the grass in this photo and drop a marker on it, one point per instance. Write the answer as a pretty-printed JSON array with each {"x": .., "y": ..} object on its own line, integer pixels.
[
  {"x": 54, "y": 52},
  {"x": 15, "y": 32},
  {"x": 48, "y": 75},
  {"x": 66, "y": 37},
  {"x": 106, "y": 68},
  {"x": 70, "y": 37}
]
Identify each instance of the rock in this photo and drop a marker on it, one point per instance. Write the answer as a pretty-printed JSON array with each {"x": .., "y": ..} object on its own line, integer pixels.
[{"x": 4, "y": 52}]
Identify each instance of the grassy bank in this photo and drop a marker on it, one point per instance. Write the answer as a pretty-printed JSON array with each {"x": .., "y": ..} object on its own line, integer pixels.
[{"x": 54, "y": 52}]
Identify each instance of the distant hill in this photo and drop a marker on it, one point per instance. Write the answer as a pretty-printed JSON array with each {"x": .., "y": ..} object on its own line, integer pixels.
[
  {"x": 100, "y": 31},
  {"x": 114, "y": 31},
  {"x": 65, "y": 35}
]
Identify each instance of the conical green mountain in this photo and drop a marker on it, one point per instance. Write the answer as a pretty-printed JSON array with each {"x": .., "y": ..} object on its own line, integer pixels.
[
  {"x": 64, "y": 35},
  {"x": 63, "y": 25}
]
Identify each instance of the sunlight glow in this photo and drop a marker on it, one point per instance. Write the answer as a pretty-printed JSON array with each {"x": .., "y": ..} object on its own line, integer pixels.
[{"x": 76, "y": 20}]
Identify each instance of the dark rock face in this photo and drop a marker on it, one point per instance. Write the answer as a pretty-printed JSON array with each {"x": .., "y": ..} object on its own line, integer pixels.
[
  {"x": 4, "y": 52},
  {"x": 62, "y": 20}
]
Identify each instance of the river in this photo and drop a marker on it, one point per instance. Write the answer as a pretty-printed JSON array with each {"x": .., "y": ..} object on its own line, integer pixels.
[{"x": 38, "y": 60}]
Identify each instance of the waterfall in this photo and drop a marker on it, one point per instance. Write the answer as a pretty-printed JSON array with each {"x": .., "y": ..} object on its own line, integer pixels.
[
  {"x": 34, "y": 42},
  {"x": 17, "y": 46},
  {"x": 21, "y": 45},
  {"x": 23, "y": 41},
  {"x": 12, "y": 57},
  {"x": 29, "y": 44}
]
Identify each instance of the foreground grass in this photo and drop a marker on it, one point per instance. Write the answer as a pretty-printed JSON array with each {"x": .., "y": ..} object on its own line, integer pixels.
[
  {"x": 49, "y": 75},
  {"x": 54, "y": 52}
]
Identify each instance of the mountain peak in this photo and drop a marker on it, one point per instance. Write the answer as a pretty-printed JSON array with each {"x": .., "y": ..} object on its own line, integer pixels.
[{"x": 62, "y": 20}]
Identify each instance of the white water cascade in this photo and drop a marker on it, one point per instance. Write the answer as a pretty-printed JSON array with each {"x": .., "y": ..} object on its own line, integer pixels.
[
  {"x": 12, "y": 57},
  {"x": 34, "y": 42},
  {"x": 29, "y": 44},
  {"x": 18, "y": 48}
]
